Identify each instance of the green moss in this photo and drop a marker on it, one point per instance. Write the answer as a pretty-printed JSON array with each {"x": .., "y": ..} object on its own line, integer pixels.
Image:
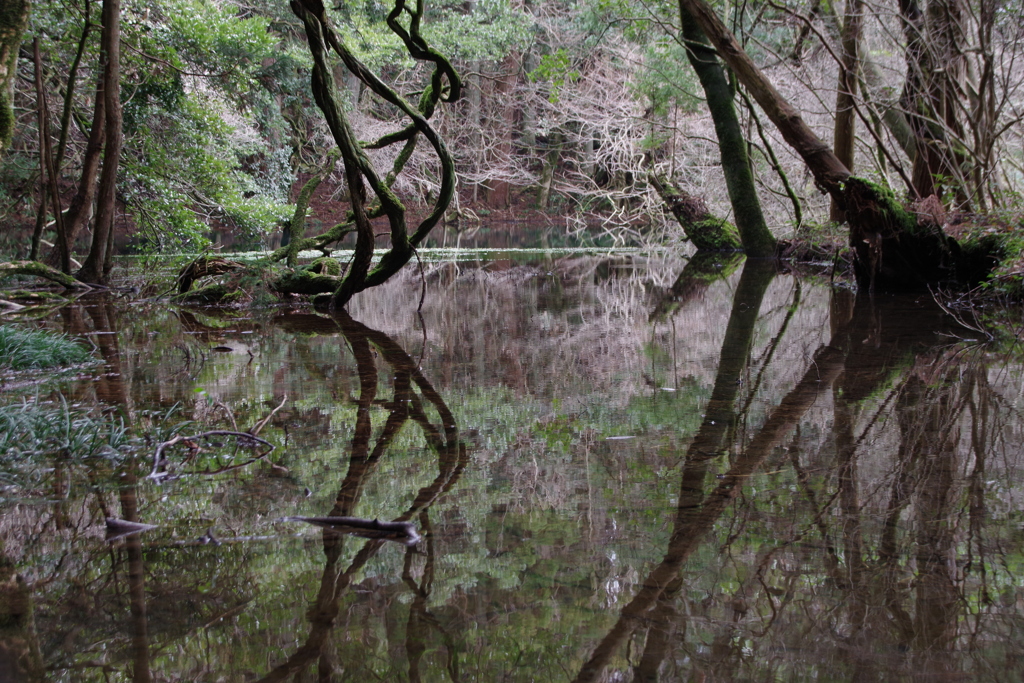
[
  {"x": 994, "y": 253},
  {"x": 325, "y": 265},
  {"x": 6, "y": 121},
  {"x": 305, "y": 282},
  {"x": 210, "y": 294},
  {"x": 879, "y": 205},
  {"x": 714, "y": 234}
]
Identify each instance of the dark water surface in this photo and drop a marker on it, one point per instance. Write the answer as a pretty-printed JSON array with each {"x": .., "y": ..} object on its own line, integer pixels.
[{"x": 616, "y": 475}]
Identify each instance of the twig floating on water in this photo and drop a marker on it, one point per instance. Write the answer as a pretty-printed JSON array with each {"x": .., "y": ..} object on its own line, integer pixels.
[{"x": 400, "y": 532}]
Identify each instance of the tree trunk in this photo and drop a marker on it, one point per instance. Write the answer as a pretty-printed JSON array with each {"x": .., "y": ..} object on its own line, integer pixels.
[
  {"x": 499, "y": 191},
  {"x": 97, "y": 266},
  {"x": 48, "y": 169},
  {"x": 13, "y": 20},
  {"x": 80, "y": 210},
  {"x": 893, "y": 116},
  {"x": 844, "y": 134},
  {"x": 892, "y": 251},
  {"x": 547, "y": 173},
  {"x": 295, "y": 230},
  {"x": 474, "y": 108},
  {"x": 739, "y": 179},
  {"x": 931, "y": 95}
]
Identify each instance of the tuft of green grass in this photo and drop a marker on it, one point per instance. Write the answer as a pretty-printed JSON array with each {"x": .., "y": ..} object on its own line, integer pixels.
[
  {"x": 26, "y": 349},
  {"x": 33, "y": 434}
]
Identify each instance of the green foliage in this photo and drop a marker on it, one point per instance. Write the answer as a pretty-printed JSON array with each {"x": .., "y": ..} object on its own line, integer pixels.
[
  {"x": 215, "y": 38},
  {"x": 183, "y": 162},
  {"x": 26, "y": 349},
  {"x": 32, "y": 433},
  {"x": 555, "y": 68},
  {"x": 490, "y": 32},
  {"x": 667, "y": 81},
  {"x": 199, "y": 114}
]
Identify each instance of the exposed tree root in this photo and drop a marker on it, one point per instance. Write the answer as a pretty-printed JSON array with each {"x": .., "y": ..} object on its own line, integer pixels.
[
  {"x": 239, "y": 282},
  {"x": 204, "y": 266},
  {"x": 42, "y": 270}
]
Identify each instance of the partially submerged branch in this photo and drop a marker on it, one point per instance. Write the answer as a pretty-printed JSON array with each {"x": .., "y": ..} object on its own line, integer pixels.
[
  {"x": 161, "y": 471},
  {"x": 401, "y": 532}
]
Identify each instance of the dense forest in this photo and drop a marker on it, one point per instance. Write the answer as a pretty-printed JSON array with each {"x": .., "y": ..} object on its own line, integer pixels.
[{"x": 163, "y": 126}]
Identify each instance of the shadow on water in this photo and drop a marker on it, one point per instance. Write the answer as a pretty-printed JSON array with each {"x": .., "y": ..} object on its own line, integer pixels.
[{"x": 824, "y": 488}]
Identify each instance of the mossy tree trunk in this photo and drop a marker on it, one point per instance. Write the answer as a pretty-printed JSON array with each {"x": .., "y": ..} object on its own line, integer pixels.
[
  {"x": 360, "y": 173},
  {"x": 704, "y": 230},
  {"x": 739, "y": 178},
  {"x": 892, "y": 250},
  {"x": 13, "y": 20},
  {"x": 844, "y": 131},
  {"x": 295, "y": 229}
]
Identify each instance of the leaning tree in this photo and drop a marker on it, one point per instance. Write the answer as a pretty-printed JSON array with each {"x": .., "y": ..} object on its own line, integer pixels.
[
  {"x": 380, "y": 201},
  {"x": 892, "y": 250}
]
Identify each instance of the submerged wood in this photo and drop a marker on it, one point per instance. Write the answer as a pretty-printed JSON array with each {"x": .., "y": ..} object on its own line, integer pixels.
[
  {"x": 245, "y": 440},
  {"x": 402, "y": 532}
]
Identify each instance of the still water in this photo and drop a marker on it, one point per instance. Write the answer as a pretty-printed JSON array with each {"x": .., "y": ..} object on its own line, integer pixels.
[{"x": 619, "y": 468}]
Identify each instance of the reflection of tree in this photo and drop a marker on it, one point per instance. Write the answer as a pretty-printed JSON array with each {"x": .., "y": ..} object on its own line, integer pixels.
[
  {"x": 697, "y": 512},
  {"x": 412, "y": 393},
  {"x": 856, "y": 357},
  {"x": 868, "y": 607},
  {"x": 928, "y": 401},
  {"x": 697, "y": 518},
  {"x": 136, "y": 582},
  {"x": 20, "y": 657}
]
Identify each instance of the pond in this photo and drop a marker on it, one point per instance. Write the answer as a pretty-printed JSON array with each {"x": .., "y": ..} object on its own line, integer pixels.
[{"x": 618, "y": 467}]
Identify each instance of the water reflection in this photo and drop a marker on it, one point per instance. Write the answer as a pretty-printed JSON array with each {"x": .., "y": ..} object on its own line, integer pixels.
[
  {"x": 872, "y": 347},
  {"x": 731, "y": 474},
  {"x": 406, "y": 403}
]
